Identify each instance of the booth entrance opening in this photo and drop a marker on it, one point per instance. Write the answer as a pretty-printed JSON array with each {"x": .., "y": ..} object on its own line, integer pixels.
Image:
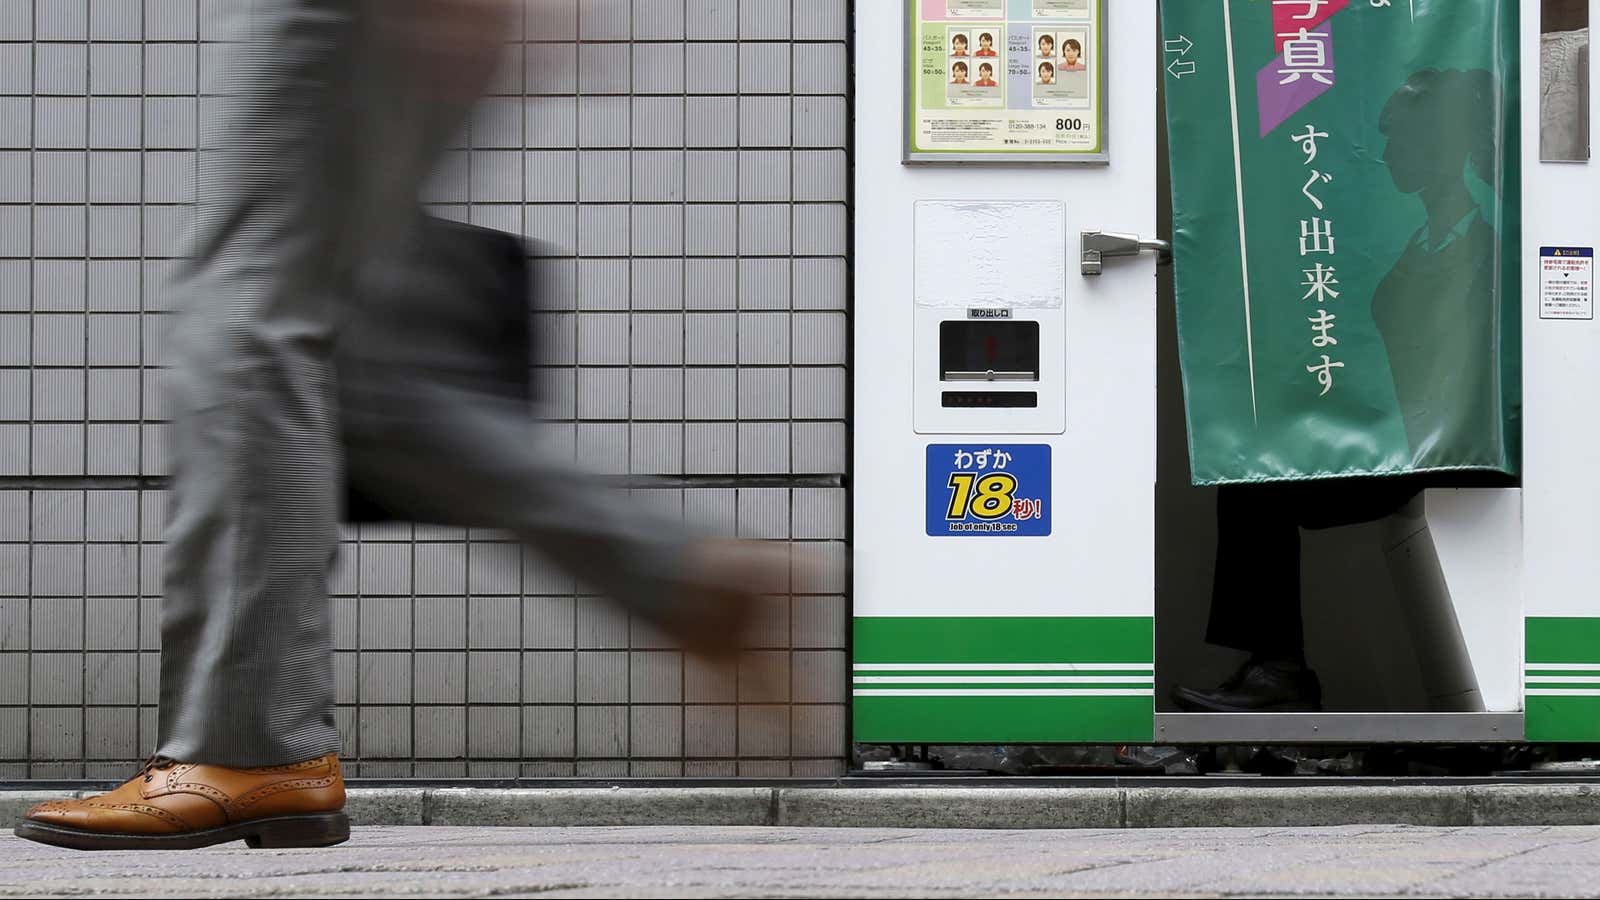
[{"x": 1410, "y": 622}]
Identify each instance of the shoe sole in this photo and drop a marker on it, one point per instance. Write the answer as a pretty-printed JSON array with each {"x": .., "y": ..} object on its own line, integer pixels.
[
  {"x": 1190, "y": 703},
  {"x": 1242, "y": 710},
  {"x": 321, "y": 830}
]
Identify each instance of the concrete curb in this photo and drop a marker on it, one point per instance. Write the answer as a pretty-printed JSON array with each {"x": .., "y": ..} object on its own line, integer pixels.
[
  {"x": 963, "y": 807},
  {"x": 1307, "y": 807},
  {"x": 548, "y": 807},
  {"x": 936, "y": 806}
]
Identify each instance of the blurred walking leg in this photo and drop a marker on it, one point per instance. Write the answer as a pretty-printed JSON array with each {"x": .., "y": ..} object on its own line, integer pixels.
[
  {"x": 434, "y": 451},
  {"x": 326, "y": 130},
  {"x": 315, "y": 160}
]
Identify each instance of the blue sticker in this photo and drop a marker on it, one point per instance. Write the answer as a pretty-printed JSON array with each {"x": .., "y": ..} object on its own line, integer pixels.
[{"x": 989, "y": 490}]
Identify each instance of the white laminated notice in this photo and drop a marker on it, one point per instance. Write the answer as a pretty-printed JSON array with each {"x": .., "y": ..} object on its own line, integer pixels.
[
  {"x": 1566, "y": 283},
  {"x": 997, "y": 253}
]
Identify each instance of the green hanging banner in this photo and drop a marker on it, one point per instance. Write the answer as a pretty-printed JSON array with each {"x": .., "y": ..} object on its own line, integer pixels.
[{"x": 1345, "y": 198}]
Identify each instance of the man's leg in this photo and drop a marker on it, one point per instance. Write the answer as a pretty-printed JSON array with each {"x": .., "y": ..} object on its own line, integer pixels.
[
  {"x": 1255, "y": 597},
  {"x": 1255, "y": 605},
  {"x": 329, "y": 129},
  {"x": 318, "y": 151},
  {"x": 246, "y": 672},
  {"x": 1255, "y": 601},
  {"x": 1255, "y": 593}
]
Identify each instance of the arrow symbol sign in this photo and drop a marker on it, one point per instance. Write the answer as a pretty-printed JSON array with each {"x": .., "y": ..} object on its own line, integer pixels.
[
  {"x": 1180, "y": 67},
  {"x": 1180, "y": 45}
]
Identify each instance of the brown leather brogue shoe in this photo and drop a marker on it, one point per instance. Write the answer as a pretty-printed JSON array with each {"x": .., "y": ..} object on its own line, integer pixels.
[{"x": 178, "y": 806}]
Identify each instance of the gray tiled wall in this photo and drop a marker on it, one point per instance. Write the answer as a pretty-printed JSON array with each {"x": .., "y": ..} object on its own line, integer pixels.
[{"x": 686, "y": 162}]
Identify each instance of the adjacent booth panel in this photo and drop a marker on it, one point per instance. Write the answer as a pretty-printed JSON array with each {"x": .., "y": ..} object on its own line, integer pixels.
[{"x": 1002, "y": 591}]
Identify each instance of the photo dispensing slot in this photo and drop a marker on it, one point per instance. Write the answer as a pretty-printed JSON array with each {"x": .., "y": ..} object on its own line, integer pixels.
[{"x": 988, "y": 351}]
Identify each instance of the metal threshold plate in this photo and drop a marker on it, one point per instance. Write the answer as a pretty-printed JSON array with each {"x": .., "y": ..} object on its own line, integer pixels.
[{"x": 1337, "y": 728}]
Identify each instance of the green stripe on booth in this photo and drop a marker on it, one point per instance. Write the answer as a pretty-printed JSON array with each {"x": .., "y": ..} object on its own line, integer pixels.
[
  {"x": 1003, "y": 720},
  {"x": 1572, "y": 718},
  {"x": 1562, "y": 710},
  {"x": 962, "y": 680},
  {"x": 1563, "y": 640},
  {"x": 1076, "y": 639}
]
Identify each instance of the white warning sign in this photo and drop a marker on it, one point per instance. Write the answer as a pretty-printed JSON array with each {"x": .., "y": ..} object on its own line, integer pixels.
[{"x": 1566, "y": 283}]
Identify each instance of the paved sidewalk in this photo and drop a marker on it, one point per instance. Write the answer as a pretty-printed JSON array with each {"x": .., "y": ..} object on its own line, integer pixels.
[{"x": 793, "y": 862}]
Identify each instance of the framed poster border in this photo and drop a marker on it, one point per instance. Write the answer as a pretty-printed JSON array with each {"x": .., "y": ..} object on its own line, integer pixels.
[{"x": 911, "y": 156}]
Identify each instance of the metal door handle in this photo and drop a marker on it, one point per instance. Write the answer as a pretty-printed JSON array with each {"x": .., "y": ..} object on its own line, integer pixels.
[{"x": 1101, "y": 245}]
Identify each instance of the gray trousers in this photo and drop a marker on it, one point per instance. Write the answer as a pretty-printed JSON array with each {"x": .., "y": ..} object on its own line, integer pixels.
[{"x": 308, "y": 179}]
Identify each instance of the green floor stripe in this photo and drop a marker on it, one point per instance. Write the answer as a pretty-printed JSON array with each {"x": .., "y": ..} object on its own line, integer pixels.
[
  {"x": 985, "y": 720},
  {"x": 1080, "y": 639}
]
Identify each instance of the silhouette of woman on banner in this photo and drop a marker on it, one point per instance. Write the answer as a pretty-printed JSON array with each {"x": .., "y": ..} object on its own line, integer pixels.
[{"x": 1438, "y": 309}]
